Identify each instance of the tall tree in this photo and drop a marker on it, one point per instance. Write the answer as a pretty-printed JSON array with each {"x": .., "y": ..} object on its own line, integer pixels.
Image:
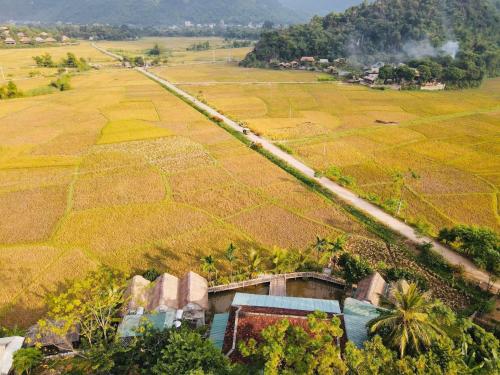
[
  {"x": 407, "y": 325},
  {"x": 91, "y": 303},
  {"x": 230, "y": 257},
  {"x": 209, "y": 267},
  {"x": 254, "y": 263},
  {"x": 289, "y": 349}
]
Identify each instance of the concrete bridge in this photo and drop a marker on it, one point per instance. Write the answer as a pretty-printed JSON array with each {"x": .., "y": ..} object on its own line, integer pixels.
[{"x": 277, "y": 283}]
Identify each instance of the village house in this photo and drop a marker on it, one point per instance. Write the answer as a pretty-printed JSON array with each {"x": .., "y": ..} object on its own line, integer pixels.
[
  {"x": 8, "y": 346},
  {"x": 165, "y": 302},
  {"x": 50, "y": 40},
  {"x": 20, "y": 35},
  {"x": 371, "y": 288},
  {"x": 65, "y": 39},
  {"x": 307, "y": 60},
  {"x": 370, "y": 79},
  {"x": 39, "y": 40},
  {"x": 10, "y": 42},
  {"x": 44, "y": 34},
  {"x": 433, "y": 86},
  {"x": 357, "y": 314},
  {"x": 324, "y": 61},
  {"x": 25, "y": 40},
  {"x": 252, "y": 313}
]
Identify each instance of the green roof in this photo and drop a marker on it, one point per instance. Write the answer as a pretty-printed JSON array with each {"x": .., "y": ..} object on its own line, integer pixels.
[
  {"x": 130, "y": 324},
  {"x": 357, "y": 314},
  {"x": 290, "y": 303},
  {"x": 218, "y": 329}
]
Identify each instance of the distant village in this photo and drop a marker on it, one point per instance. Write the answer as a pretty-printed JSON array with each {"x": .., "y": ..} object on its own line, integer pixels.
[
  {"x": 11, "y": 37},
  {"x": 371, "y": 75}
]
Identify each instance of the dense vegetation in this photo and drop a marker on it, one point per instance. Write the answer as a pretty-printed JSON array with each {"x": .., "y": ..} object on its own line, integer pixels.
[
  {"x": 395, "y": 31},
  {"x": 415, "y": 335},
  {"x": 70, "y": 61},
  {"x": 482, "y": 245},
  {"x": 150, "y": 12}
]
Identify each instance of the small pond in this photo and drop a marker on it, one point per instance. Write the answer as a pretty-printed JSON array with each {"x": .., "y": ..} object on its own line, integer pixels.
[{"x": 307, "y": 288}]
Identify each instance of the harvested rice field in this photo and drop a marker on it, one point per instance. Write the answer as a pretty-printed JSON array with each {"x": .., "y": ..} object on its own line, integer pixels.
[
  {"x": 119, "y": 172},
  {"x": 18, "y": 64},
  {"x": 450, "y": 139},
  {"x": 175, "y": 49}
]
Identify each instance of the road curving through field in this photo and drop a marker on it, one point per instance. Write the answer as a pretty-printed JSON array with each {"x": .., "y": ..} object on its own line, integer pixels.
[{"x": 398, "y": 226}]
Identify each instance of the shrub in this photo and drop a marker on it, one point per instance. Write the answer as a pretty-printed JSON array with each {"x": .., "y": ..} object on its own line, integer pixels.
[
  {"x": 355, "y": 268},
  {"x": 62, "y": 83},
  {"x": 480, "y": 244},
  {"x": 25, "y": 360},
  {"x": 151, "y": 274},
  {"x": 395, "y": 274}
]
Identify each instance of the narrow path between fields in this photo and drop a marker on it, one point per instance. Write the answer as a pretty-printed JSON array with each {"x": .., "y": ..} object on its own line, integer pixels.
[{"x": 347, "y": 196}]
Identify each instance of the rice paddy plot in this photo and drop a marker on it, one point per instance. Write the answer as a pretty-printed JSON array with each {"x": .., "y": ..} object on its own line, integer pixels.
[
  {"x": 117, "y": 171},
  {"x": 449, "y": 138}
]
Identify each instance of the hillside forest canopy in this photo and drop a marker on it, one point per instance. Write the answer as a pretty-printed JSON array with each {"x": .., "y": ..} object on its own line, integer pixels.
[{"x": 460, "y": 37}]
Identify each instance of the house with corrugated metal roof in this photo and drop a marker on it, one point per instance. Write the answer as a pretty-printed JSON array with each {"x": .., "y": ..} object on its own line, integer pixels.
[
  {"x": 185, "y": 299},
  {"x": 131, "y": 325},
  {"x": 250, "y": 314},
  {"x": 357, "y": 315}
]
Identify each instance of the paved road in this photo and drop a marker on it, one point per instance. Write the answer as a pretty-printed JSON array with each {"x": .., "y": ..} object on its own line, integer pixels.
[{"x": 346, "y": 195}]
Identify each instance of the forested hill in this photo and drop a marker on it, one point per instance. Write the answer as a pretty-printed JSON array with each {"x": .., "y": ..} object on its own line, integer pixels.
[
  {"x": 390, "y": 30},
  {"x": 147, "y": 12}
]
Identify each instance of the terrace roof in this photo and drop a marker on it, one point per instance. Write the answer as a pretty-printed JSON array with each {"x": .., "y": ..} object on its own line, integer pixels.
[
  {"x": 218, "y": 329},
  {"x": 289, "y": 303},
  {"x": 130, "y": 324},
  {"x": 357, "y": 314}
]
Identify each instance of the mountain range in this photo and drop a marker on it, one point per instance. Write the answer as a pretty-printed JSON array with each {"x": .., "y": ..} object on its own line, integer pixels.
[{"x": 148, "y": 12}]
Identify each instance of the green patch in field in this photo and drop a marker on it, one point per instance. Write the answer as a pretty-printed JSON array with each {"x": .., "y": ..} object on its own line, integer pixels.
[
  {"x": 130, "y": 130},
  {"x": 29, "y": 161}
]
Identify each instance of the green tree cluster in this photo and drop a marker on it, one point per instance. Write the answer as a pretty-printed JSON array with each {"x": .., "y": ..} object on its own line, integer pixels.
[
  {"x": 10, "y": 91},
  {"x": 413, "y": 335},
  {"x": 70, "y": 61},
  {"x": 480, "y": 244}
]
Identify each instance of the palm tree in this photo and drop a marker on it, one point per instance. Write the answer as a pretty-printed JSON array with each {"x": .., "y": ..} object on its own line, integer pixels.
[
  {"x": 407, "y": 324},
  {"x": 254, "y": 261},
  {"x": 208, "y": 266},
  {"x": 336, "y": 249},
  {"x": 230, "y": 257},
  {"x": 279, "y": 259},
  {"x": 320, "y": 246}
]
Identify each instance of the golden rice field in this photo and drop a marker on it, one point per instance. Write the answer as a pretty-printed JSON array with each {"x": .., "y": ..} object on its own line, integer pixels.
[
  {"x": 177, "y": 49},
  {"x": 119, "y": 172},
  {"x": 451, "y": 139},
  {"x": 18, "y": 64}
]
